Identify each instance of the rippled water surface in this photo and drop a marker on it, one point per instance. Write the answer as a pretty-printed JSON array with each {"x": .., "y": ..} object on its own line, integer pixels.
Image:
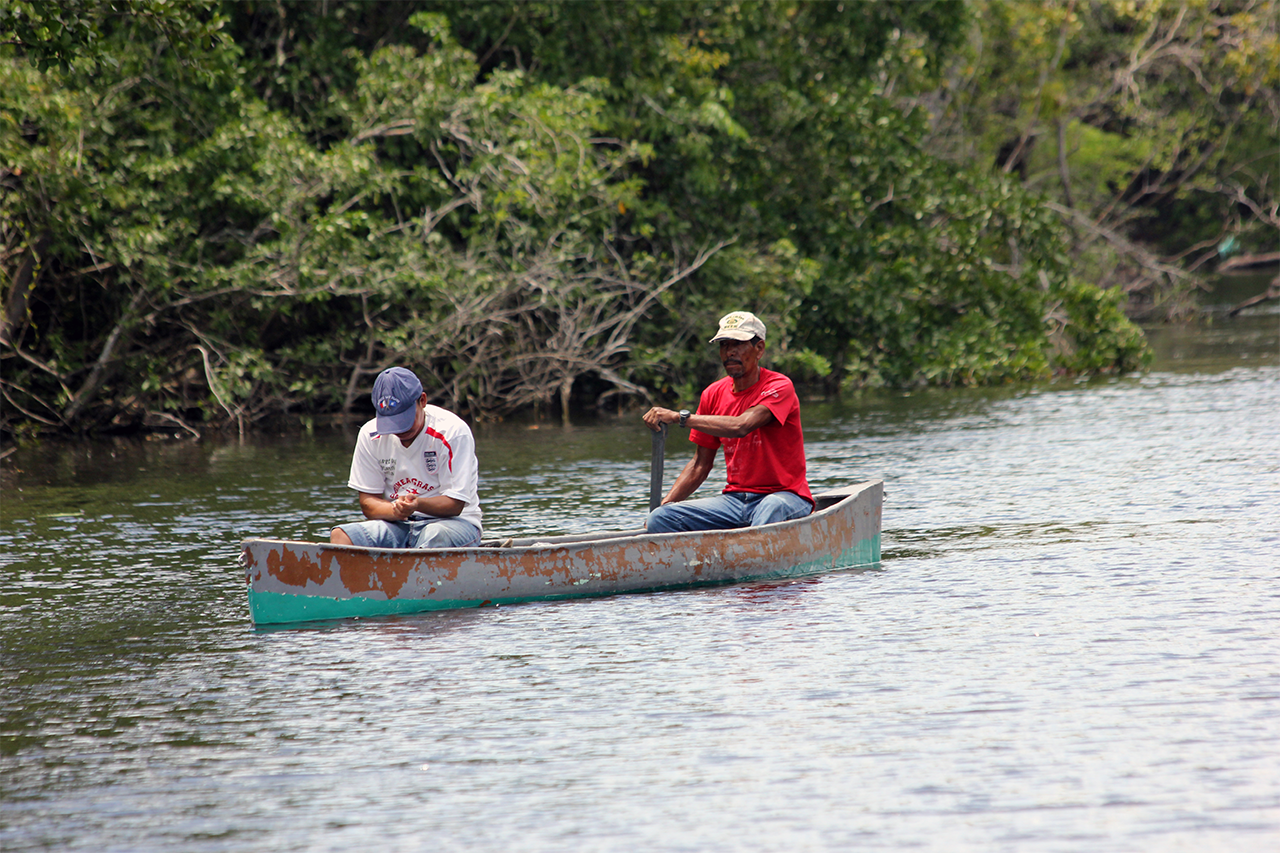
[{"x": 1072, "y": 643}]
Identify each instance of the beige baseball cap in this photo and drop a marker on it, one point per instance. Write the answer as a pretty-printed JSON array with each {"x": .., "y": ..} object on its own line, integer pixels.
[{"x": 739, "y": 326}]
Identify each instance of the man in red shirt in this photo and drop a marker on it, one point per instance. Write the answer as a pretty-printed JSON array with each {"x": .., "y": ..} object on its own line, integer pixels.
[{"x": 755, "y": 415}]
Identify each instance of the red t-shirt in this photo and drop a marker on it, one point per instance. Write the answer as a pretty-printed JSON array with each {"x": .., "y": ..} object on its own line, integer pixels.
[{"x": 768, "y": 459}]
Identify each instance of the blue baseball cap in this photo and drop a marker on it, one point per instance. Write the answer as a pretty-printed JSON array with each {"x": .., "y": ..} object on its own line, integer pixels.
[{"x": 395, "y": 399}]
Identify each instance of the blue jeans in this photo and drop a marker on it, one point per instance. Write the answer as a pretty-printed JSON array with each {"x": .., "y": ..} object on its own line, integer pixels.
[
  {"x": 415, "y": 533},
  {"x": 731, "y": 509}
]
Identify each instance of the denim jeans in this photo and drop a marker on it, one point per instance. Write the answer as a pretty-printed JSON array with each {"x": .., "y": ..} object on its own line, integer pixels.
[
  {"x": 415, "y": 533},
  {"x": 731, "y": 509}
]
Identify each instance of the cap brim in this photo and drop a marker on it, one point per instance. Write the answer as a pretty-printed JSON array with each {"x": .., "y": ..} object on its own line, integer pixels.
[
  {"x": 732, "y": 336},
  {"x": 396, "y": 424}
]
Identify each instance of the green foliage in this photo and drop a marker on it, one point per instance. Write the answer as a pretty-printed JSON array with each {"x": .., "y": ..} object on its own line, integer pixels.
[
  {"x": 1151, "y": 126},
  {"x": 931, "y": 275},
  {"x": 1092, "y": 334},
  {"x": 216, "y": 212},
  {"x": 1103, "y": 163},
  {"x": 85, "y": 34}
]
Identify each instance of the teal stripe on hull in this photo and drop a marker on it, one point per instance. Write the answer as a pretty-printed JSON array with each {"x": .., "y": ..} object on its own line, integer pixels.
[
  {"x": 277, "y": 607},
  {"x": 273, "y": 607}
]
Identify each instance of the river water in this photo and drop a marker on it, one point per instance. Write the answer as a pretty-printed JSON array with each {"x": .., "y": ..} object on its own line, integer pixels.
[{"x": 1072, "y": 643}]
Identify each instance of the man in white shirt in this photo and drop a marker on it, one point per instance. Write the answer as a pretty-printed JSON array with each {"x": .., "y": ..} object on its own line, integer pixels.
[{"x": 415, "y": 470}]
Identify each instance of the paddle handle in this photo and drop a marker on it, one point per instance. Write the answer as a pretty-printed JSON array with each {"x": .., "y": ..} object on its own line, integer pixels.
[{"x": 655, "y": 468}]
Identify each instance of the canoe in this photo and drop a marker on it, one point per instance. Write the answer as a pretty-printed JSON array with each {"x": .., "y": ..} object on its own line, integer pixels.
[{"x": 303, "y": 581}]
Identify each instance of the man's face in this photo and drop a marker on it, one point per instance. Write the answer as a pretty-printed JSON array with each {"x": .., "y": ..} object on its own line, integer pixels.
[
  {"x": 419, "y": 420},
  {"x": 740, "y": 357}
]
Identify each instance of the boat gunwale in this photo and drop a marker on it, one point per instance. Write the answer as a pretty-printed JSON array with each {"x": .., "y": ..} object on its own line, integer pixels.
[{"x": 541, "y": 543}]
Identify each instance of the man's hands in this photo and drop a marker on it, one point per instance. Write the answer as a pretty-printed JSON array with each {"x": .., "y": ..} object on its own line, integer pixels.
[
  {"x": 657, "y": 416},
  {"x": 404, "y": 506}
]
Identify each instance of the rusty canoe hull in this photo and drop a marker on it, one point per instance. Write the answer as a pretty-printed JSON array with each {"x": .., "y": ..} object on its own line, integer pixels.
[{"x": 303, "y": 581}]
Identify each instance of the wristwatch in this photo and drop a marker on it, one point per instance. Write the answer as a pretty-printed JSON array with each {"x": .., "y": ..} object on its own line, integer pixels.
[{"x": 684, "y": 416}]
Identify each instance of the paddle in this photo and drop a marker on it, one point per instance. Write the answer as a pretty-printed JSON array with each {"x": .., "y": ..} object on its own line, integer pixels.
[{"x": 655, "y": 468}]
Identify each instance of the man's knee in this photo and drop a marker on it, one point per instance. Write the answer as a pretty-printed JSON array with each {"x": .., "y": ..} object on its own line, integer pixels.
[
  {"x": 371, "y": 534},
  {"x": 780, "y": 506},
  {"x": 674, "y": 518},
  {"x": 448, "y": 534},
  {"x": 661, "y": 520}
]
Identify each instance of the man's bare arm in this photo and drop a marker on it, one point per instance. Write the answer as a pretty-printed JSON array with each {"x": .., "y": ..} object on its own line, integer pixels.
[
  {"x": 721, "y": 426},
  {"x": 693, "y": 475}
]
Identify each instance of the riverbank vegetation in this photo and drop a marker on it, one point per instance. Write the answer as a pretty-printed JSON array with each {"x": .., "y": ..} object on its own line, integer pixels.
[{"x": 217, "y": 212}]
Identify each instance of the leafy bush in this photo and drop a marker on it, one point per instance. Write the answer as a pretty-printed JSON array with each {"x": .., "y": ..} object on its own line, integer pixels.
[{"x": 214, "y": 213}]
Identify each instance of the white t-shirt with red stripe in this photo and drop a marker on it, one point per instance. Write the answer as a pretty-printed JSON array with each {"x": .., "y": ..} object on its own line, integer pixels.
[{"x": 440, "y": 461}]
